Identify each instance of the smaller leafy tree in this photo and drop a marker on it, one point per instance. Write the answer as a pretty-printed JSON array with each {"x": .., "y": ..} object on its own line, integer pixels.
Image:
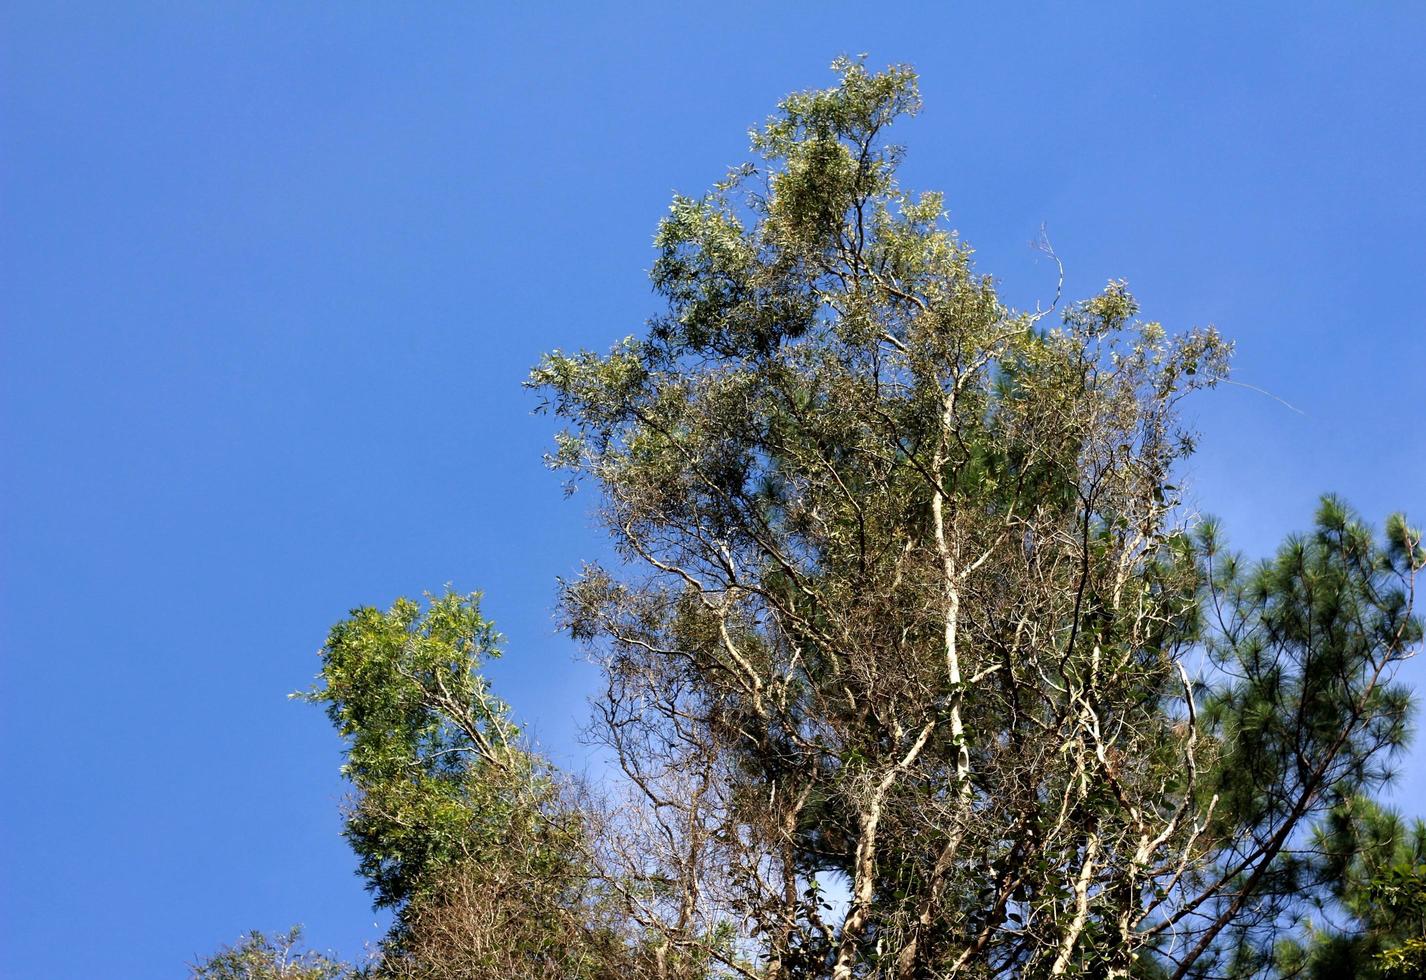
[
  {"x": 463, "y": 832},
  {"x": 258, "y": 956},
  {"x": 429, "y": 749}
]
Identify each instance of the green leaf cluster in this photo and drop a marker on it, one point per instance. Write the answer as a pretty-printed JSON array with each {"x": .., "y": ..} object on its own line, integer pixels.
[{"x": 430, "y": 751}]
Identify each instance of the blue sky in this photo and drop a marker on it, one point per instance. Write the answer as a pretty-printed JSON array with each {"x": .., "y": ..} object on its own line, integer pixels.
[{"x": 272, "y": 274}]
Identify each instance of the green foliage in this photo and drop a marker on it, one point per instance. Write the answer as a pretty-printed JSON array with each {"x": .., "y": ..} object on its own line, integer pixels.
[
  {"x": 1371, "y": 921},
  {"x": 1310, "y": 638},
  {"x": 258, "y": 956},
  {"x": 1397, "y": 918},
  {"x": 907, "y": 600},
  {"x": 458, "y": 827},
  {"x": 874, "y": 501},
  {"x": 1308, "y": 721},
  {"x": 429, "y": 749}
]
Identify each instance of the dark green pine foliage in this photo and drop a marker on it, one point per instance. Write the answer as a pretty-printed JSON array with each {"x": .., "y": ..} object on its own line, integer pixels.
[
  {"x": 1371, "y": 923},
  {"x": 1308, "y": 718}
]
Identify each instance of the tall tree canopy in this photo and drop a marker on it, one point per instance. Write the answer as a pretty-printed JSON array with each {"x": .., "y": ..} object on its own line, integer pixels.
[
  {"x": 909, "y": 601},
  {"x": 916, "y": 666}
]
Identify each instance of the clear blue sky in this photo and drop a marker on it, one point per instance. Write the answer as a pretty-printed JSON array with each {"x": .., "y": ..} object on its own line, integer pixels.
[{"x": 272, "y": 274}]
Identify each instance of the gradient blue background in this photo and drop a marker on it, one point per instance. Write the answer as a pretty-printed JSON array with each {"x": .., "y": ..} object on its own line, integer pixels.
[{"x": 272, "y": 274}]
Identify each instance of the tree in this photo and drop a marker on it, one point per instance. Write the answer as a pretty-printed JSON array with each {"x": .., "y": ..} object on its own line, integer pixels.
[
  {"x": 918, "y": 597},
  {"x": 261, "y": 957},
  {"x": 1304, "y": 713},
  {"x": 460, "y": 829},
  {"x": 915, "y": 664},
  {"x": 1376, "y": 865}
]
